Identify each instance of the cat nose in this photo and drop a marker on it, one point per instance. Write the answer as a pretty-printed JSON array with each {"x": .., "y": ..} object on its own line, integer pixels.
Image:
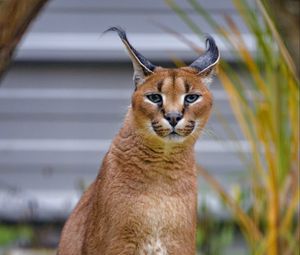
[{"x": 173, "y": 118}]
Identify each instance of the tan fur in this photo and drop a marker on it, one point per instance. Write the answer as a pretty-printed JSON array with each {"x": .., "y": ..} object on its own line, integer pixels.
[{"x": 144, "y": 199}]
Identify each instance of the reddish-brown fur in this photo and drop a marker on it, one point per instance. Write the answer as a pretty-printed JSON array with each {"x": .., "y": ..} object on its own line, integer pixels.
[{"x": 146, "y": 192}]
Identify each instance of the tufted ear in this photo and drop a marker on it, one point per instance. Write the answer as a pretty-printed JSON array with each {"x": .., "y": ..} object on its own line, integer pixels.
[
  {"x": 206, "y": 63},
  {"x": 141, "y": 66}
]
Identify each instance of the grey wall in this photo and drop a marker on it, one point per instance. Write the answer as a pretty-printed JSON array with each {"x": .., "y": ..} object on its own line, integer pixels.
[{"x": 65, "y": 96}]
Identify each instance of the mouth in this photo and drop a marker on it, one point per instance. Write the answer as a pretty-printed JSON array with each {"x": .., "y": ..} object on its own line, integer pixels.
[{"x": 174, "y": 136}]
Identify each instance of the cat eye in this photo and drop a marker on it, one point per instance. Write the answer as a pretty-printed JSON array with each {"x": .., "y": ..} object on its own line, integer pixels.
[
  {"x": 155, "y": 98},
  {"x": 191, "y": 98}
]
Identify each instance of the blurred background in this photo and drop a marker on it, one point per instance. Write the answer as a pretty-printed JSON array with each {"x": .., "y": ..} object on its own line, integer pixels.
[{"x": 67, "y": 89}]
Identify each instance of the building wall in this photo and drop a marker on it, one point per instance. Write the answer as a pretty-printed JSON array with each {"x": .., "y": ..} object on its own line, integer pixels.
[{"x": 65, "y": 96}]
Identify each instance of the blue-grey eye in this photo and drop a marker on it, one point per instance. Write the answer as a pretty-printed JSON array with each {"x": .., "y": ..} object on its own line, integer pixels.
[
  {"x": 191, "y": 98},
  {"x": 155, "y": 98}
]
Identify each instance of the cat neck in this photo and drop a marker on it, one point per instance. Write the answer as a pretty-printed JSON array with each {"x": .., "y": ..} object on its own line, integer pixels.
[
  {"x": 141, "y": 144},
  {"x": 142, "y": 164}
]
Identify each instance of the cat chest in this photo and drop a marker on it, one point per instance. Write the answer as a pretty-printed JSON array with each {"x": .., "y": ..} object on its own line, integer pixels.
[
  {"x": 163, "y": 211},
  {"x": 162, "y": 220}
]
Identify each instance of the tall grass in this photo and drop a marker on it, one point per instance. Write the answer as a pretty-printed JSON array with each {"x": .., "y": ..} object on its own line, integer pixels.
[{"x": 267, "y": 110}]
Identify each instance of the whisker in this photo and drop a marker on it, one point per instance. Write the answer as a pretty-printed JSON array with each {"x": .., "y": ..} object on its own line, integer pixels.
[{"x": 209, "y": 133}]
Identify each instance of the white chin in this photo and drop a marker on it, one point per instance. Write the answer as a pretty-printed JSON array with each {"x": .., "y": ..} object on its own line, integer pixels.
[{"x": 174, "y": 138}]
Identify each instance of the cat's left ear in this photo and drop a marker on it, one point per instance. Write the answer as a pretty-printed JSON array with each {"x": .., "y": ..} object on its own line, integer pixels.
[
  {"x": 142, "y": 67},
  {"x": 206, "y": 63}
]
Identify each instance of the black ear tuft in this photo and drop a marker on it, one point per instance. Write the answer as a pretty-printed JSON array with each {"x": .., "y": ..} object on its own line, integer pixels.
[
  {"x": 148, "y": 67},
  {"x": 206, "y": 62},
  {"x": 119, "y": 30}
]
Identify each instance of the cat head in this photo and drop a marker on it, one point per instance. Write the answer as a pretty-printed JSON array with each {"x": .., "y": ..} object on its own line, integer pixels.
[{"x": 171, "y": 105}]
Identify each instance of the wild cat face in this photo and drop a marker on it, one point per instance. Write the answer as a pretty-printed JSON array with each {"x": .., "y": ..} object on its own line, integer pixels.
[{"x": 171, "y": 104}]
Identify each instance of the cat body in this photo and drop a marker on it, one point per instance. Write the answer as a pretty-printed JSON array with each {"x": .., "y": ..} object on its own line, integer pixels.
[{"x": 144, "y": 199}]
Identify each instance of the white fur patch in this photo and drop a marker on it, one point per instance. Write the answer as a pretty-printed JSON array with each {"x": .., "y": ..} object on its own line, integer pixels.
[
  {"x": 207, "y": 81},
  {"x": 153, "y": 246},
  {"x": 181, "y": 123},
  {"x": 182, "y": 99},
  {"x": 165, "y": 123}
]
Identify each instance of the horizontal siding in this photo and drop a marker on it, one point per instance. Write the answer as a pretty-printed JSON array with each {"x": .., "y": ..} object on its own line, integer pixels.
[
  {"x": 71, "y": 31},
  {"x": 58, "y": 117},
  {"x": 133, "y": 5},
  {"x": 56, "y": 122},
  {"x": 148, "y": 23}
]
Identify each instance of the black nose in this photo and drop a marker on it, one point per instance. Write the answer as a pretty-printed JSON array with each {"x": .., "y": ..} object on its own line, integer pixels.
[{"x": 173, "y": 118}]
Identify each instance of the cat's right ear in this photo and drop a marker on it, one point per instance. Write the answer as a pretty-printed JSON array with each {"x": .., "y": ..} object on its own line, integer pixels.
[
  {"x": 142, "y": 67},
  {"x": 206, "y": 64}
]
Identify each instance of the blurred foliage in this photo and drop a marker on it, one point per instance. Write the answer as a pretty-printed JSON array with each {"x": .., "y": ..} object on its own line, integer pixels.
[
  {"x": 213, "y": 236},
  {"x": 12, "y": 233},
  {"x": 267, "y": 110},
  {"x": 286, "y": 15}
]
